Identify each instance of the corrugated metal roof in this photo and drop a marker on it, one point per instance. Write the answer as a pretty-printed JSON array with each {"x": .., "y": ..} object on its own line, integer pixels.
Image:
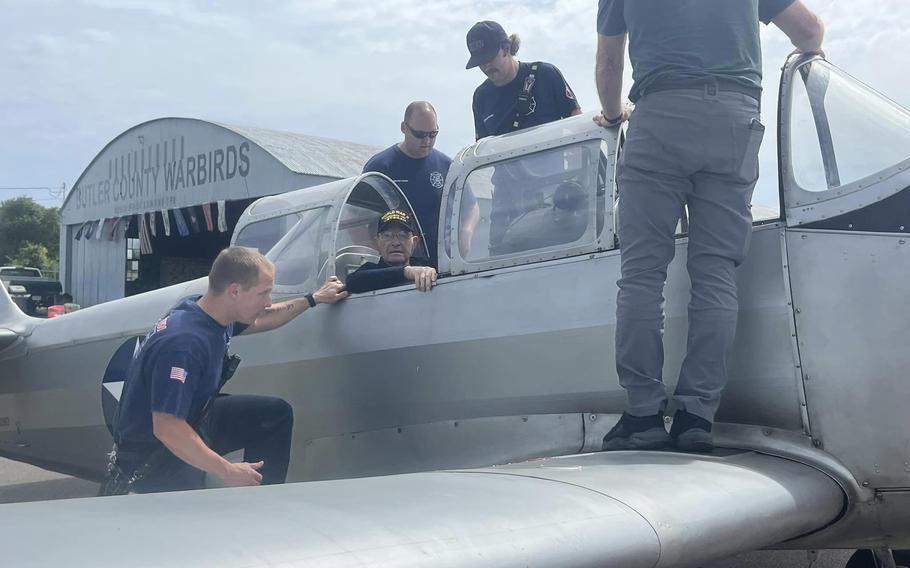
[{"x": 311, "y": 155}]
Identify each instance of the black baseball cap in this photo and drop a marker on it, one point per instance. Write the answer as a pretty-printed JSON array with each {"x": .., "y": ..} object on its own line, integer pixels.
[
  {"x": 485, "y": 39},
  {"x": 395, "y": 217}
]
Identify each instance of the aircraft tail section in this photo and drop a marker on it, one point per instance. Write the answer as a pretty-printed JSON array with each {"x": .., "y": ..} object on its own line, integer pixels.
[
  {"x": 13, "y": 328},
  {"x": 9, "y": 311},
  {"x": 10, "y": 314}
]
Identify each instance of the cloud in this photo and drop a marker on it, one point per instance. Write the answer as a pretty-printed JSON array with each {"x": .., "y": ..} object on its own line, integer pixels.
[
  {"x": 187, "y": 12},
  {"x": 42, "y": 45},
  {"x": 82, "y": 72},
  {"x": 96, "y": 35}
]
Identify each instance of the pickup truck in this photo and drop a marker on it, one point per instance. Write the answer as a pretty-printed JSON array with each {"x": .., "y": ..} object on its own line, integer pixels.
[{"x": 29, "y": 288}]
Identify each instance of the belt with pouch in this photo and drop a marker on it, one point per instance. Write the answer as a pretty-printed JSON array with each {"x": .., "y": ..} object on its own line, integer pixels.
[{"x": 711, "y": 86}]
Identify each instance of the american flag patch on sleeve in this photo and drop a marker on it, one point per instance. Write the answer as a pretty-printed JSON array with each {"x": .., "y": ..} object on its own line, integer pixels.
[
  {"x": 178, "y": 374},
  {"x": 161, "y": 326}
]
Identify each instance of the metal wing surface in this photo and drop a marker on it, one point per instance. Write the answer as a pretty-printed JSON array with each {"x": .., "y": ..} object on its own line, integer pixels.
[{"x": 626, "y": 509}]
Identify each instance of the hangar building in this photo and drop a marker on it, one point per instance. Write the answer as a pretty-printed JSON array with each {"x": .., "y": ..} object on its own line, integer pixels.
[{"x": 155, "y": 206}]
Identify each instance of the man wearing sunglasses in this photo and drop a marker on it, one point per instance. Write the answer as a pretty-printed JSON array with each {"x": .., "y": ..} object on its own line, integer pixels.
[
  {"x": 396, "y": 240},
  {"x": 420, "y": 171}
]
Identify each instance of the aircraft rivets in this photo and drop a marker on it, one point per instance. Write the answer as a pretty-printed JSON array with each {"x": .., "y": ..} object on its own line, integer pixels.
[
  {"x": 766, "y": 431},
  {"x": 865, "y": 484},
  {"x": 592, "y": 417},
  {"x": 799, "y": 311}
]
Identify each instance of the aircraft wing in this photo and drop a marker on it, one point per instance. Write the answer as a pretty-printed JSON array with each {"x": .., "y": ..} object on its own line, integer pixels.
[{"x": 625, "y": 509}]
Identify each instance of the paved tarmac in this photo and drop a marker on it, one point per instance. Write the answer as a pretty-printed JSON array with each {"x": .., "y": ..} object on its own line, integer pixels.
[{"x": 20, "y": 482}]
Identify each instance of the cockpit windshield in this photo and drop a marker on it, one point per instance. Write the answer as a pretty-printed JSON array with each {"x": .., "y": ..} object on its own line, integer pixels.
[
  {"x": 354, "y": 239},
  {"x": 263, "y": 235},
  {"x": 542, "y": 200},
  {"x": 301, "y": 254},
  {"x": 832, "y": 116}
]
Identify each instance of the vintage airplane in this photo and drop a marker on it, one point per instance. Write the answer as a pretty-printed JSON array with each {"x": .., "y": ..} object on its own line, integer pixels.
[{"x": 421, "y": 417}]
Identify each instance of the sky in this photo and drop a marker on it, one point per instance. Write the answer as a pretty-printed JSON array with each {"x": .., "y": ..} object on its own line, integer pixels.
[{"x": 77, "y": 73}]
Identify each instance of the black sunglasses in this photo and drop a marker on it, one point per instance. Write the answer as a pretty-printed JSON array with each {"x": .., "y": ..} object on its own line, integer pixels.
[{"x": 422, "y": 133}]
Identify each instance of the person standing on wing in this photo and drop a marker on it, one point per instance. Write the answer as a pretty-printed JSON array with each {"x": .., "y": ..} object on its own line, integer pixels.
[{"x": 692, "y": 142}]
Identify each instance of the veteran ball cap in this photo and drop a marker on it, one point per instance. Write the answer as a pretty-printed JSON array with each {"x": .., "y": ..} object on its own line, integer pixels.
[
  {"x": 485, "y": 39},
  {"x": 395, "y": 217}
]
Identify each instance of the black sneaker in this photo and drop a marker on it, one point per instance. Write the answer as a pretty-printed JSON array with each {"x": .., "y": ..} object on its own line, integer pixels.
[
  {"x": 691, "y": 433},
  {"x": 638, "y": 433}
]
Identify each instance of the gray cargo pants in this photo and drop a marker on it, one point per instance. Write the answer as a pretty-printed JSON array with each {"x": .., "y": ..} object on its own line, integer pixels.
[{"x": 695, "y": 148}]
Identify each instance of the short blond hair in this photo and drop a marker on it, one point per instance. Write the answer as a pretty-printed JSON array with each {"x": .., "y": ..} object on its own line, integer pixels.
[{"x": 238, "y": 265}]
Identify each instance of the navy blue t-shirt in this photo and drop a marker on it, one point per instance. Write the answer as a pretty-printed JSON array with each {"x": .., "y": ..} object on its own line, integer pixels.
[
  {"x": 176, "y": 369},
  {"x": 421, "y": 180},
  {"x": 494, "y": 107},
  {"x": 674, "y": 41}
]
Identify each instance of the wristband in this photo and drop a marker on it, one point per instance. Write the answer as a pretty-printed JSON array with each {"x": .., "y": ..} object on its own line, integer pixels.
[
  {"x": 612, "y": 120},
  {"x": 310, "y": 300}
]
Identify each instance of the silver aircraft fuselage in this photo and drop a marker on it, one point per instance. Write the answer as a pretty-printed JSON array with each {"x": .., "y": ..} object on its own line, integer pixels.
[{"x": 516, "y": 361}]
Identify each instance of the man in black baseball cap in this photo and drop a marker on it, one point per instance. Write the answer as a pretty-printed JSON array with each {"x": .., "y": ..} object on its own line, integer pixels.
[
  {"x": 396, "y": 240},
  {"x": 515, "y": 94},
  {"x": 485, "y": 39}
]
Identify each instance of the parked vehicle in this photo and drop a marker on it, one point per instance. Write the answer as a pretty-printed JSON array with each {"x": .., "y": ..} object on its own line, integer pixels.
[{"x": 29, "y": 288}]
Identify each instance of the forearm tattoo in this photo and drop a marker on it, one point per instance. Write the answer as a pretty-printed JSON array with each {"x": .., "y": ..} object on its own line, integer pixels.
[{"x": 278, "y": 308}]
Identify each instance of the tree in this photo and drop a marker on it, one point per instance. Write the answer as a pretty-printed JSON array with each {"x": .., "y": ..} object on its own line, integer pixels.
[
  {"x": 24, "y": 221},
  {"x": 32, "y": 254}
]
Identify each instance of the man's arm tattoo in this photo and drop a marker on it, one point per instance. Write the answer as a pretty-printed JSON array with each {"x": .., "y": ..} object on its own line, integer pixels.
[{"x": 280, "y": 308}]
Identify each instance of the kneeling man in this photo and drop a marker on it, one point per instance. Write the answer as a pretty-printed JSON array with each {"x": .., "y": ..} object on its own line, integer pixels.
[{"x": 170, "y": 397}]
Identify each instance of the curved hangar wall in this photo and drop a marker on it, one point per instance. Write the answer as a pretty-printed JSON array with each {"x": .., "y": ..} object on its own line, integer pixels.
[{"x": 150, "y": 183}]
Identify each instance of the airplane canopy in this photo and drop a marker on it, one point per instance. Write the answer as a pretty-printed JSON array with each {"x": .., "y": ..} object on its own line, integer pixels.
[{"x": 314, "y": 233}]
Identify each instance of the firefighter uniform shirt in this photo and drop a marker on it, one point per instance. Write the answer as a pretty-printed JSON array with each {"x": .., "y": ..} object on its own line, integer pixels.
[
  {"x": 421, "y": 180},
  {"x": 551, "y": 98},
  {"x": 176, "y": 369}
]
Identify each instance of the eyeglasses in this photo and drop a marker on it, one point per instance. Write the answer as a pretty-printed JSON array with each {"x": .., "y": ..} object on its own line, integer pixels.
[
  {"x": 399, "y": 236},
  {"x": 422, "y": 133}
]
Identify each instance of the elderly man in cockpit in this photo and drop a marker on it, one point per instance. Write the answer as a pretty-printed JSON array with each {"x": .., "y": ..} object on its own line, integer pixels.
[{"x": 396, "y": 240}]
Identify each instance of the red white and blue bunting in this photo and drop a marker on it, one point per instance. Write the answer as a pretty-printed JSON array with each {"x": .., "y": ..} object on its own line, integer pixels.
[{"x": 209, "y": 217}]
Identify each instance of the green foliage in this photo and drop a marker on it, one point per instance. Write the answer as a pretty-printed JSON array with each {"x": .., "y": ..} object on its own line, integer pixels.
[
  {"x": 22, "y": 221},
  {"x": 34, "y": 255}
]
